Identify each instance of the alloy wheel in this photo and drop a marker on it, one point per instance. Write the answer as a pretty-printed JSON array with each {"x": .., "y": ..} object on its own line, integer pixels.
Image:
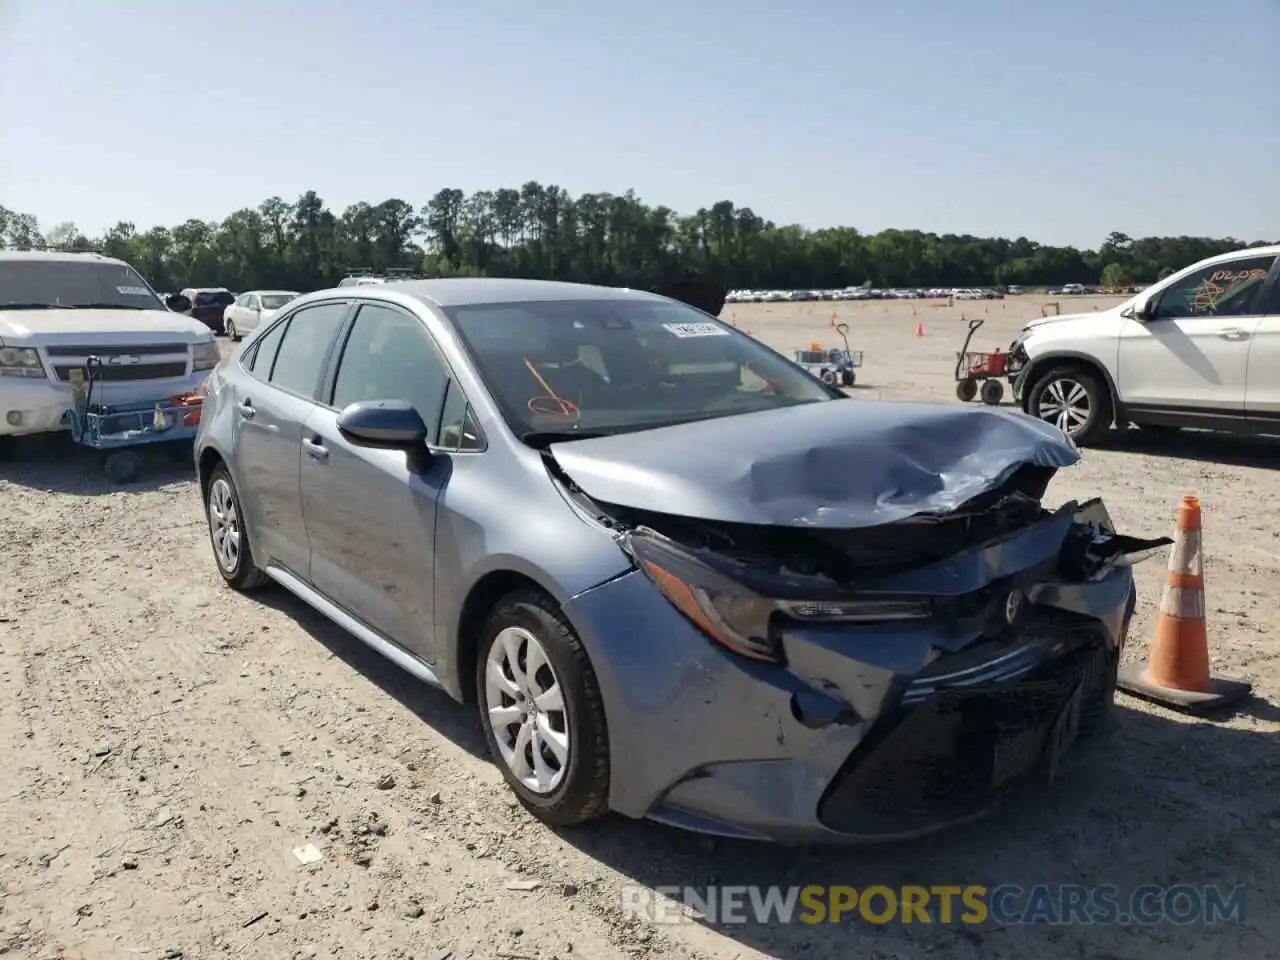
[
  {"x": 1066, "y": 404},
  {"x": 526, "y": 710},
  {"x": 224, "y": 525}
]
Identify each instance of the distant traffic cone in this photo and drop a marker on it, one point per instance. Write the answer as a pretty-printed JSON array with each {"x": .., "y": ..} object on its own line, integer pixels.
[
  {"x": 919, "y": 329},
  {"x": 963, "y": 318},
  {"x": 1177, "y": 670},
  {"x": 833, "y": 318},
  {"x": 913, "y": 309}
]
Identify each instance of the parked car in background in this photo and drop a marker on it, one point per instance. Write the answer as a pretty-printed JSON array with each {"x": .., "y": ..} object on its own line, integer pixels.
[
  {"x": 208, "y": 304},
  {"x": 855, "y": 619},
  {"x": 1200, "y": 348},
  {"x": 250, "y": 309},
  {"x": 59, "y": 309}
]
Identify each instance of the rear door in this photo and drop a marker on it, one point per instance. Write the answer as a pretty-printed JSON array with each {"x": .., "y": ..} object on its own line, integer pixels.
[
  {"x": 370, "y": 520},
  {"x": 1262, "y": 392},
  {"x": 286, "y": 366}
]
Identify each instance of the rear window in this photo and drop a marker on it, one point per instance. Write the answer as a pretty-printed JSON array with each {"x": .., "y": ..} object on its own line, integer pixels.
[
  {"x": 274, "y": 301},
  {"x": 220, "y": 298}
]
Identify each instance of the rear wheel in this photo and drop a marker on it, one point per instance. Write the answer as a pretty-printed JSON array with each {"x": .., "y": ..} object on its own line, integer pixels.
[
  {"x": 1073, "y": 399},
  {"x": 232, "y": 333},
  {"x": 541, "y": 710},
  {"x": 992, "y": 392},
  {"x": 967, "y": 389},
  {"x": 227, "y": 534}
]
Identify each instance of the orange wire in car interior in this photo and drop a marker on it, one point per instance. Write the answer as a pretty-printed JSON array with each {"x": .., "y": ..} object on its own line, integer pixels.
[
  {"x": 679, "y": 593},
  {"x": 559, "y": 406}
]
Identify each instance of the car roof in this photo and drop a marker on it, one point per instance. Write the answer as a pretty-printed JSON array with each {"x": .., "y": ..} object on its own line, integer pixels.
[
  {"x": 466, "y": 291},
  {"x": 262, "y": 292},
  {"x": 57, "y": 256}
]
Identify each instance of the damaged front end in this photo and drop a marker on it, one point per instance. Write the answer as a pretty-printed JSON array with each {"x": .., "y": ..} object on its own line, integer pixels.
[{"x": 968, "y": 649}]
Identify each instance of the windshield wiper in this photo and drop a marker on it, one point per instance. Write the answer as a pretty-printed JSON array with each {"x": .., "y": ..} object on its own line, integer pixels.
[{"x": 540, "y": 438}]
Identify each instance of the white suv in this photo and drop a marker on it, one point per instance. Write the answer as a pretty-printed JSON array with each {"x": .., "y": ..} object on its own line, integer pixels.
[
  {"x": 59, "y": 309},
  {"x": 1199, "y": 349}
]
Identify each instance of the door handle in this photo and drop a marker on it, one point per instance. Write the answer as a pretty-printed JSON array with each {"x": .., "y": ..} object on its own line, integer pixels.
[
  {"x": 246, "y": 409},
  {"x": 1234, "y": 334},
  {"x": 315, "y": 449}
]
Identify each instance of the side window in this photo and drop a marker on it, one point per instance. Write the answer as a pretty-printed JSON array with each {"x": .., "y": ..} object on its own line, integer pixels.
[
  {"x": 250, "y": 301},
  {"x": 300, "y": 359},
  {"x": 1223, "y": 290},
  {"x": 264, "y": 351},
  {"x": 458, "y": 428},
  {"x": 390, "y": 356}
]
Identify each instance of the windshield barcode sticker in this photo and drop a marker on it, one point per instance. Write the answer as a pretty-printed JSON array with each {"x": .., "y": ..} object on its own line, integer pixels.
[
  {"x": 686, "y": 330},
  {"x": 133, "y": 291}
]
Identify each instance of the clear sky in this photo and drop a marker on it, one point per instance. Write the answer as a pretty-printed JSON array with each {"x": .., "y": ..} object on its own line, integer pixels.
[{"x": 1060, "y": 120}]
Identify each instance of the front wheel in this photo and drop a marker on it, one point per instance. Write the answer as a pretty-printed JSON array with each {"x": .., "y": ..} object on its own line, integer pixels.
[
  {"x": 1074, "y": 400},
  {"x": 232, "y": 333},
  {"x": 542, "y": 712}
]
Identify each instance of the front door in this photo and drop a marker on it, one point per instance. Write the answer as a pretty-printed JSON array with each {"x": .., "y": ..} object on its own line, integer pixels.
[
  {"x": 371, "y": 521},
  {"x": 1262, "y": 395},
  {"x": 1191, "y": 357}
]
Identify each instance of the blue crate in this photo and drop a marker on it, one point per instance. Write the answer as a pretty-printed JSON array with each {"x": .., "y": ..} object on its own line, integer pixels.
[{"x": 129, "y": 425}]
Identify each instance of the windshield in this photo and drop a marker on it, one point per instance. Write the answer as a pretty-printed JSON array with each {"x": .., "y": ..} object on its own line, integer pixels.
[
  {"x": 614, "y": 365},
  {"x": 274, "y": 301},
  {"x": 74, "y": 283}
]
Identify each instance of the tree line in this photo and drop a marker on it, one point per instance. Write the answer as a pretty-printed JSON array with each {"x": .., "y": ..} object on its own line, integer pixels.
[{"x": 615, "y": 239}]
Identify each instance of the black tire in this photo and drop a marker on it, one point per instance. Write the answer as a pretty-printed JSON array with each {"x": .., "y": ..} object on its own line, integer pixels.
[
  {"x": 828, "y": 377},
  {"x": 583, "y": 792},
  {"x": 122, "y": 466},
  {"x": 244, "y": 574},
  {"x": 232, "y": 334},
  {"x": 846, "y": 378},
  {"x": 1097, "y": 409},
  {"x": 967, "y": 389},
  {"x": 992, "y": 392}
]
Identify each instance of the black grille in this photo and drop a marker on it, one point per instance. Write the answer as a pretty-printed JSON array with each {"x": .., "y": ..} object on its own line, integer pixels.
[
  {"x": 959, "y": 751},
  {"x": 111, "y": 373},
  {"x": 98, "y": 350}
]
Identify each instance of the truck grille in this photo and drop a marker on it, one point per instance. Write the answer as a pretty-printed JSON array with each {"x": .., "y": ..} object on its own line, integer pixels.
[
  {"x": 130, "y": 362},
  {"x": 117, "y": 374}
]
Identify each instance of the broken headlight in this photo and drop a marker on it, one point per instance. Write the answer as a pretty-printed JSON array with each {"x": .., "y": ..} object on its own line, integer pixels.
[{"x": 738, "y": 617}]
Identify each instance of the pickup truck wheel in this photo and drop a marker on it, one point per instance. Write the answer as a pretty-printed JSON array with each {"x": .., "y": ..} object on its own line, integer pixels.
[{"x": 1073, "y": 399}]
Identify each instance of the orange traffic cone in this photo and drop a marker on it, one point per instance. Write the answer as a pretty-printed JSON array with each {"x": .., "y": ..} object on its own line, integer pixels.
[
  {"x": 1177, "y": 671},
  {"x": 919, "y": 329}
]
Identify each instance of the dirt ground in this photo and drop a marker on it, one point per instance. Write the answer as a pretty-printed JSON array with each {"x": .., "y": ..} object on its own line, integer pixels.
[{"x": 167, "y": 745}]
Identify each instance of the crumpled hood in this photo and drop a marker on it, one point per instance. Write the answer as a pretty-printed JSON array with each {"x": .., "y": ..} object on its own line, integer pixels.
[
  {"x": 832, "y": 465},
  {"x": 141, "y": 326}
]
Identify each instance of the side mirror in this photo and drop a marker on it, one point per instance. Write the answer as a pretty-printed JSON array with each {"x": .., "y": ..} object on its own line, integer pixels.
[
  {"x": 386, "y": 424},
  {"x": 177, "y": 303}
]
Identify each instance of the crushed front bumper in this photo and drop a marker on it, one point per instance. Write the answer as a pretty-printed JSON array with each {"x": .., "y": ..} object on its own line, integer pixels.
[{"x": 869, "y": 732}]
